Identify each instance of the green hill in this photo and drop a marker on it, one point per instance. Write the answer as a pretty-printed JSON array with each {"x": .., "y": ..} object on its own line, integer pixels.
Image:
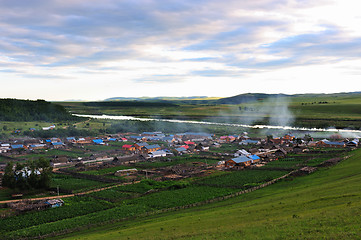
[
  {"x": 27, "y": 110},
  {"x": 323, "y": 205}
]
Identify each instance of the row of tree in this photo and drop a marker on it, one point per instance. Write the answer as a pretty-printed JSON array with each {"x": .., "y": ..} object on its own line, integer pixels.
[
  {"x": 27, "y": 110},
  {"x": 31, "y": 175}
]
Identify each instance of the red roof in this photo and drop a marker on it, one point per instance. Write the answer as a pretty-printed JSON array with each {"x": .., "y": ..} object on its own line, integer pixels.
[
  {"x": 185, "y": 146},
  {"x": 127, "y": 146},
  {"x": 189, "y": 142}
]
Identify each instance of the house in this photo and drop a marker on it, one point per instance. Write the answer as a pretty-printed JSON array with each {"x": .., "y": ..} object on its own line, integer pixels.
[
  {"x": 277, "y": 140},
  {"x": 128, "y": 147},
  {"x": 168, "y": 139},
  {"x": 4, "y": 147},
  {"x": 239, "y": 162},
  {"x": 48, "y": 128},
  {"x": 37, "y": 146},
  {"x": 151, "y": 148},
  {"x": 140, "y": 145},
  {"x": 255, "y": 158},
  {"x": 159, "y": 153},
  {"x": 98, "y": 141},
  {"x": 189, "y": 142},
  {"x": 288, "y": 138},
  {"x": 125, "y": 172},
  {"x": 17, "y": 146},
  {"x": 280, "y": 152},
  {"x": 249, "y": 142},
  {"x": 137, "y": 138},
  {"x": 57, "y": 145},
  {"x": 59, "y": 160},
  {"x": 181, "y": 150},
  {"x": 352, "y": 143},
  {"x": 71, "y": 139},
  {"x": 87, "y": 140},
  {"x": 326, "y": 143},
  {"x": 55, "y": 202}
]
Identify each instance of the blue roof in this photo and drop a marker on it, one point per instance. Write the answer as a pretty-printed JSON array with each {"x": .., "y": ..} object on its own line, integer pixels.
[
  {"x": 241, "y": 159},
  {"x": 70, "y": 138},
  {"x": 112, "y": 139},
  {"x": 334, "y": 143},
  {"x": 48, "y": 140},
  {"x": 17, "y": 146},
  {"x": 143, "y": 144},
  {"x": 254, "y": 157},
  {"x": 152, "y": 146},
  {"x": 57, "y": 143},
  {"x": 181, "y": 149},
  {"x": 98, "y": 141},
  {"x": 136, "y": 137}
]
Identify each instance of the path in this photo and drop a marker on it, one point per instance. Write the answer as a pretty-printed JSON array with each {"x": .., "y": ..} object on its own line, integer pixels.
[{"x": 68, "y": 195}]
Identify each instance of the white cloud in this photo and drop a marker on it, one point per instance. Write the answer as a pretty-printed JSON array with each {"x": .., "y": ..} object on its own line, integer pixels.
[{"x": 98, "y": 49}]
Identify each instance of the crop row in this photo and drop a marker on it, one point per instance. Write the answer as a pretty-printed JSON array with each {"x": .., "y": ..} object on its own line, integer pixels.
[
  {"x": 241, "y": 179},
  {"x": 73, "y": 207},
  {"x": 132, "y": 207}
]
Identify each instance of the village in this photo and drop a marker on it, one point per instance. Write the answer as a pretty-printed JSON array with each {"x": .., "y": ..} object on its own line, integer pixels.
[{"x": 228, "y": 152}]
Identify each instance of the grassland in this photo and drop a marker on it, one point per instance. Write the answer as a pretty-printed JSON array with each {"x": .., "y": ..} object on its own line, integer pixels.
[
  {"x": 323, "y": 110},
  {"x": 323, "y": 205}
]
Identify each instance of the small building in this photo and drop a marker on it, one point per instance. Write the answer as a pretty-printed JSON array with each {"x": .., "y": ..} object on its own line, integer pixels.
[
  {"x": 159, "y": 153},
  {"x": 17, "y": 146},
  {"x": 98, "y": 142},
  {"x": 239, "y": 162},
  {"x": 37, "y": 146},
  {"x": 140, "y": 145},
  {"x": 249, "y": 142},
  {"x": 125, "y": 172},
  {"x": 55, "y": 203},
  {"x": 151, "y": 148},
  {"x": 280, "y": 152},
  {"x": 57, "y": 145},
  {"x": 326, "y": 143},
  {"x": 128, "y": 147},
  {"x": 181, "y": 150}
]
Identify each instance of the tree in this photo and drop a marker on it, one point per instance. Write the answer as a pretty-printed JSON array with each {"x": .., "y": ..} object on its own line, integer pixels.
[
  {"x": 8, "y": 178},
  {"x": 45, "y": 173}
]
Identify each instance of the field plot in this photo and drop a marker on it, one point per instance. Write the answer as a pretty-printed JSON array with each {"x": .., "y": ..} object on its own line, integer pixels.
[
  {"x": 71, "y": 184},
  {"x": 241, "y": 179},
  {"x": 297, "y": 209}
]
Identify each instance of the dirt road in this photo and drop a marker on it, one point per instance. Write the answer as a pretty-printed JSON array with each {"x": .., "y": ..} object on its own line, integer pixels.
[{"x": 68, "y": 195}]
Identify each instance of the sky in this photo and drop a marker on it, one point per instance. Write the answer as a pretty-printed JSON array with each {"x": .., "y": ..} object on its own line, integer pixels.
[{"x": 97, "y": 49}]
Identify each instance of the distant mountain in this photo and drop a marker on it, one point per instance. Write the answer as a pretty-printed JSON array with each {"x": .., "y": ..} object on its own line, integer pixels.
[
  {"x": 155, "y": 98},
  {"x": 27, "y": 110},
  {"x": 248, "y": 97}
]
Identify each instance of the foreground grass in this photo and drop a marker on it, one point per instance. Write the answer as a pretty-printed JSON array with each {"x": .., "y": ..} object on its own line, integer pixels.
[{"x": 323, "y": 205}]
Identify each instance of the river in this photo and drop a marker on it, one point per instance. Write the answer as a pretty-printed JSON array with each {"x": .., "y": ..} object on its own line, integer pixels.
[{"x": 222, "y": 124}]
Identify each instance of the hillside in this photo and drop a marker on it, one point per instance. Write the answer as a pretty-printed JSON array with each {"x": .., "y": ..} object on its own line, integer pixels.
[
  {"x": 27, "y": 110},
  {"x": 323, "y": 205}
]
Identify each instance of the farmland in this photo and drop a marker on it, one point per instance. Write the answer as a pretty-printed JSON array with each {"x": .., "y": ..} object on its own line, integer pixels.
[{"x": 300, "y": 208}]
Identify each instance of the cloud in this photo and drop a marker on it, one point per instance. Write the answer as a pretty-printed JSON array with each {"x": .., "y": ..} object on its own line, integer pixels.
[{"x": 149, "y": 41}]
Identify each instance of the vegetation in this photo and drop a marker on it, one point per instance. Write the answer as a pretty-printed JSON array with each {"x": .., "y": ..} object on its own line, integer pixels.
[
  {"x": 27, "y": 110},
  {"x": 323, "y": 205},
  {"x": 34, "y": 174}
]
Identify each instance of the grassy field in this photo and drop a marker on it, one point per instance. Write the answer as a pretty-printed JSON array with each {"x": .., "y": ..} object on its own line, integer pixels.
[
  {"x": 339, "y": 110},
  {"x": 323, "y": 205}
]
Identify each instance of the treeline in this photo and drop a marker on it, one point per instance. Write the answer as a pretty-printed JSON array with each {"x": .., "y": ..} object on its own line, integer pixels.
[
  {"x": 130, "y": 104},
  {"x": 32, "y": 175},
  {"x": 61, "y": 132},
  {"x": 28, "y": 110}
]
